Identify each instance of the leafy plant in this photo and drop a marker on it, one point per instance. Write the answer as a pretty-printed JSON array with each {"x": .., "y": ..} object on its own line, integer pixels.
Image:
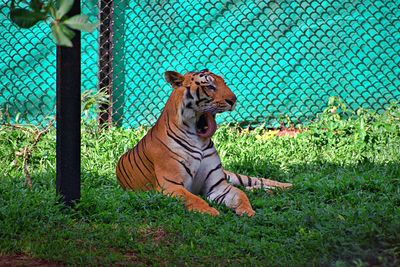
[
  {"x": 90, "y": 99},
  {"x": 26, "y": 14}
]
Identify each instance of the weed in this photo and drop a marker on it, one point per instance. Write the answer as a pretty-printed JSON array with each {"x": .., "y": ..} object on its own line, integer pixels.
[{"x": 343, "y": 209}]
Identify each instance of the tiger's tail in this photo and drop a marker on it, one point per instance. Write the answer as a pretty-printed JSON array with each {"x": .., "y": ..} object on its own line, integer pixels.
[{"x": 251, "y": 183}]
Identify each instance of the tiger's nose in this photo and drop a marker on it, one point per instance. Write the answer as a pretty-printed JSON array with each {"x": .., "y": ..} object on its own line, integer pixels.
[{"x": 231, "y": 101}]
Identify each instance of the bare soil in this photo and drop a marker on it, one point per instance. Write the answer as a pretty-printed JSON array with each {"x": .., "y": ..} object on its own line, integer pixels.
[
  {"x": 288, "y": 132},
  {"x": 24, "y": 260}
]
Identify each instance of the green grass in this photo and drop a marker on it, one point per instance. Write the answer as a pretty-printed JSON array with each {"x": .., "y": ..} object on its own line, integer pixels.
[{"x": 343, "y": 209}]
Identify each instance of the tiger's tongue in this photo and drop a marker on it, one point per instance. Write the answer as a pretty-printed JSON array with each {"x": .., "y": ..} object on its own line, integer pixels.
[{"x": 211, "y": 126}]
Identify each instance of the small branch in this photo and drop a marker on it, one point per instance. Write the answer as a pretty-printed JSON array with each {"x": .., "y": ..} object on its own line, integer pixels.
[
  {"x": 26, "y": 152},
  {"x": 26, "y": 127},
  {"x": 28, "y": 179}
]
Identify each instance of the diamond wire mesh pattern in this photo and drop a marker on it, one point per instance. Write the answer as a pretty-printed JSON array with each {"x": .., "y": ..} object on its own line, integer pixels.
[
  {"x": 28, "y": 68},
  {"x": 27, "y": 65},
  {"x": 282, "y": 58}
]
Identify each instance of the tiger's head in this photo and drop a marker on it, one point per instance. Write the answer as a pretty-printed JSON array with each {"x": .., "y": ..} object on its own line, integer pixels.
[{"x": 204, "y": 94}]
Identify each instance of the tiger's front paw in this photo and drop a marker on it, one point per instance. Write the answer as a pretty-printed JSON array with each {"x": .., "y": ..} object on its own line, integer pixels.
[
  {"x": 211, "y": 211},
  {"x": 245, "y": 210},
  {"x": 204, "y": 209}
]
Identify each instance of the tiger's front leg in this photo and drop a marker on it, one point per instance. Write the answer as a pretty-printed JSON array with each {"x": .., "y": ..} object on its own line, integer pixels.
[
  {"x": 172, "y": 180},
  {"x": 221, "y": 192},
  {"x": 216, "y": 188}
]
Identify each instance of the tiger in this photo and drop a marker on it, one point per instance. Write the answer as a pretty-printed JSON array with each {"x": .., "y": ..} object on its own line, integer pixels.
[{"x": 177, "y": 156}]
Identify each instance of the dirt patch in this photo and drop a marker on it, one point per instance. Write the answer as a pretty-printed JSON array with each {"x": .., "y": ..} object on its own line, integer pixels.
[
  {"x": 130, "y": 256},
  {"x": 288, "y": 132},
  {"x": 24, "y": 260},
  {"x": 156, "y": 235}
]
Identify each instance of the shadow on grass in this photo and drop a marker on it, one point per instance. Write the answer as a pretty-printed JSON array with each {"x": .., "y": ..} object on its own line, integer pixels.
[{"x": 334, "y": 214}]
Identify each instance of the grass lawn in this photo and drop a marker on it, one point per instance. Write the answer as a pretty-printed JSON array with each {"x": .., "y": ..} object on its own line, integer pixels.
[{"x": 344, "y": 208}]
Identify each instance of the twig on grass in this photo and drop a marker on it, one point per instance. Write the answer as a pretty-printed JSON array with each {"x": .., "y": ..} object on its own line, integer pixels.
[
  {"x": 22, "y": 127},
  {"x": 26, "y": 152}
]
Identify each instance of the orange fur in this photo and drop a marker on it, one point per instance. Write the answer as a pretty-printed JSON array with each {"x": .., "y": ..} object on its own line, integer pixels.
[{"x": 176, "y": 157}]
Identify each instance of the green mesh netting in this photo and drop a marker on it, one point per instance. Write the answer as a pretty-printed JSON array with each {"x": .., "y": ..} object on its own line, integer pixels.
[
  {"x": 28, "y": 68},
  {"x": 283, "y": 59}
]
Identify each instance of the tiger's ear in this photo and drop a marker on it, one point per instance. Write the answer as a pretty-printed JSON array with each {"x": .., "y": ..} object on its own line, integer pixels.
[{"x": 174, "y": 78}]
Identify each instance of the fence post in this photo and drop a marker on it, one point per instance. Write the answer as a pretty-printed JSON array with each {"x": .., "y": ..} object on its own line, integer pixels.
[
  {"x": 119, "y": 84},
  {"x": 68, "y": 115},
  {"x": 106, "y": 59}
]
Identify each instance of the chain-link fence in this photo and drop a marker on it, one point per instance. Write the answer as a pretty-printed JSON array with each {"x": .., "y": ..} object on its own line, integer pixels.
[
  {"x": 28, "y": 68},
  {"x": 283, "y": 59}
]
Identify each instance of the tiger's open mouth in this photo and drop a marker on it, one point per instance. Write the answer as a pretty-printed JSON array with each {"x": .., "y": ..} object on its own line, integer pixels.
[{"x": 206, "y": 125}]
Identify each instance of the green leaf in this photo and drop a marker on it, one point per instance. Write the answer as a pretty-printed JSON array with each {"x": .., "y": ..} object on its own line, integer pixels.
[
  {"x": 68, "y": 32},
  {"x": 25, "y": 18},
  {"x": 64, "y": 8},
  {"x": 52, "y": 11},
  {"x": 80, "y": 23},
  {"x": 59, "y": 35},
  {"x": 36, "y": 5}
]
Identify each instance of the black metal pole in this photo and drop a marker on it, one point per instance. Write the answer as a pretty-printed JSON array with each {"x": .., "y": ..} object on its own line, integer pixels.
[
  {"x": 106, "y": 59},
  {"x": 68, "y": 115}
]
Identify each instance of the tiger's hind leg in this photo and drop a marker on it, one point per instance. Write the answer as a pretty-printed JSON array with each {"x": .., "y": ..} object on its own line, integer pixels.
[{"x": 251, "y": 183}]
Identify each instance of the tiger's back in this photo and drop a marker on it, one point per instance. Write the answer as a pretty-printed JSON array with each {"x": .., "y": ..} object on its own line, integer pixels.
[
  {"x": 135, "y": 168},
  {"x": 177, "y": 156}
]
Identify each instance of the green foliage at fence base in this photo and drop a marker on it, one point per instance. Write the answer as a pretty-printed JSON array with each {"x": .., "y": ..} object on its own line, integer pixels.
[
  {"x": 283, "y": 59},
  {"x": 343, "y": 209}
]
